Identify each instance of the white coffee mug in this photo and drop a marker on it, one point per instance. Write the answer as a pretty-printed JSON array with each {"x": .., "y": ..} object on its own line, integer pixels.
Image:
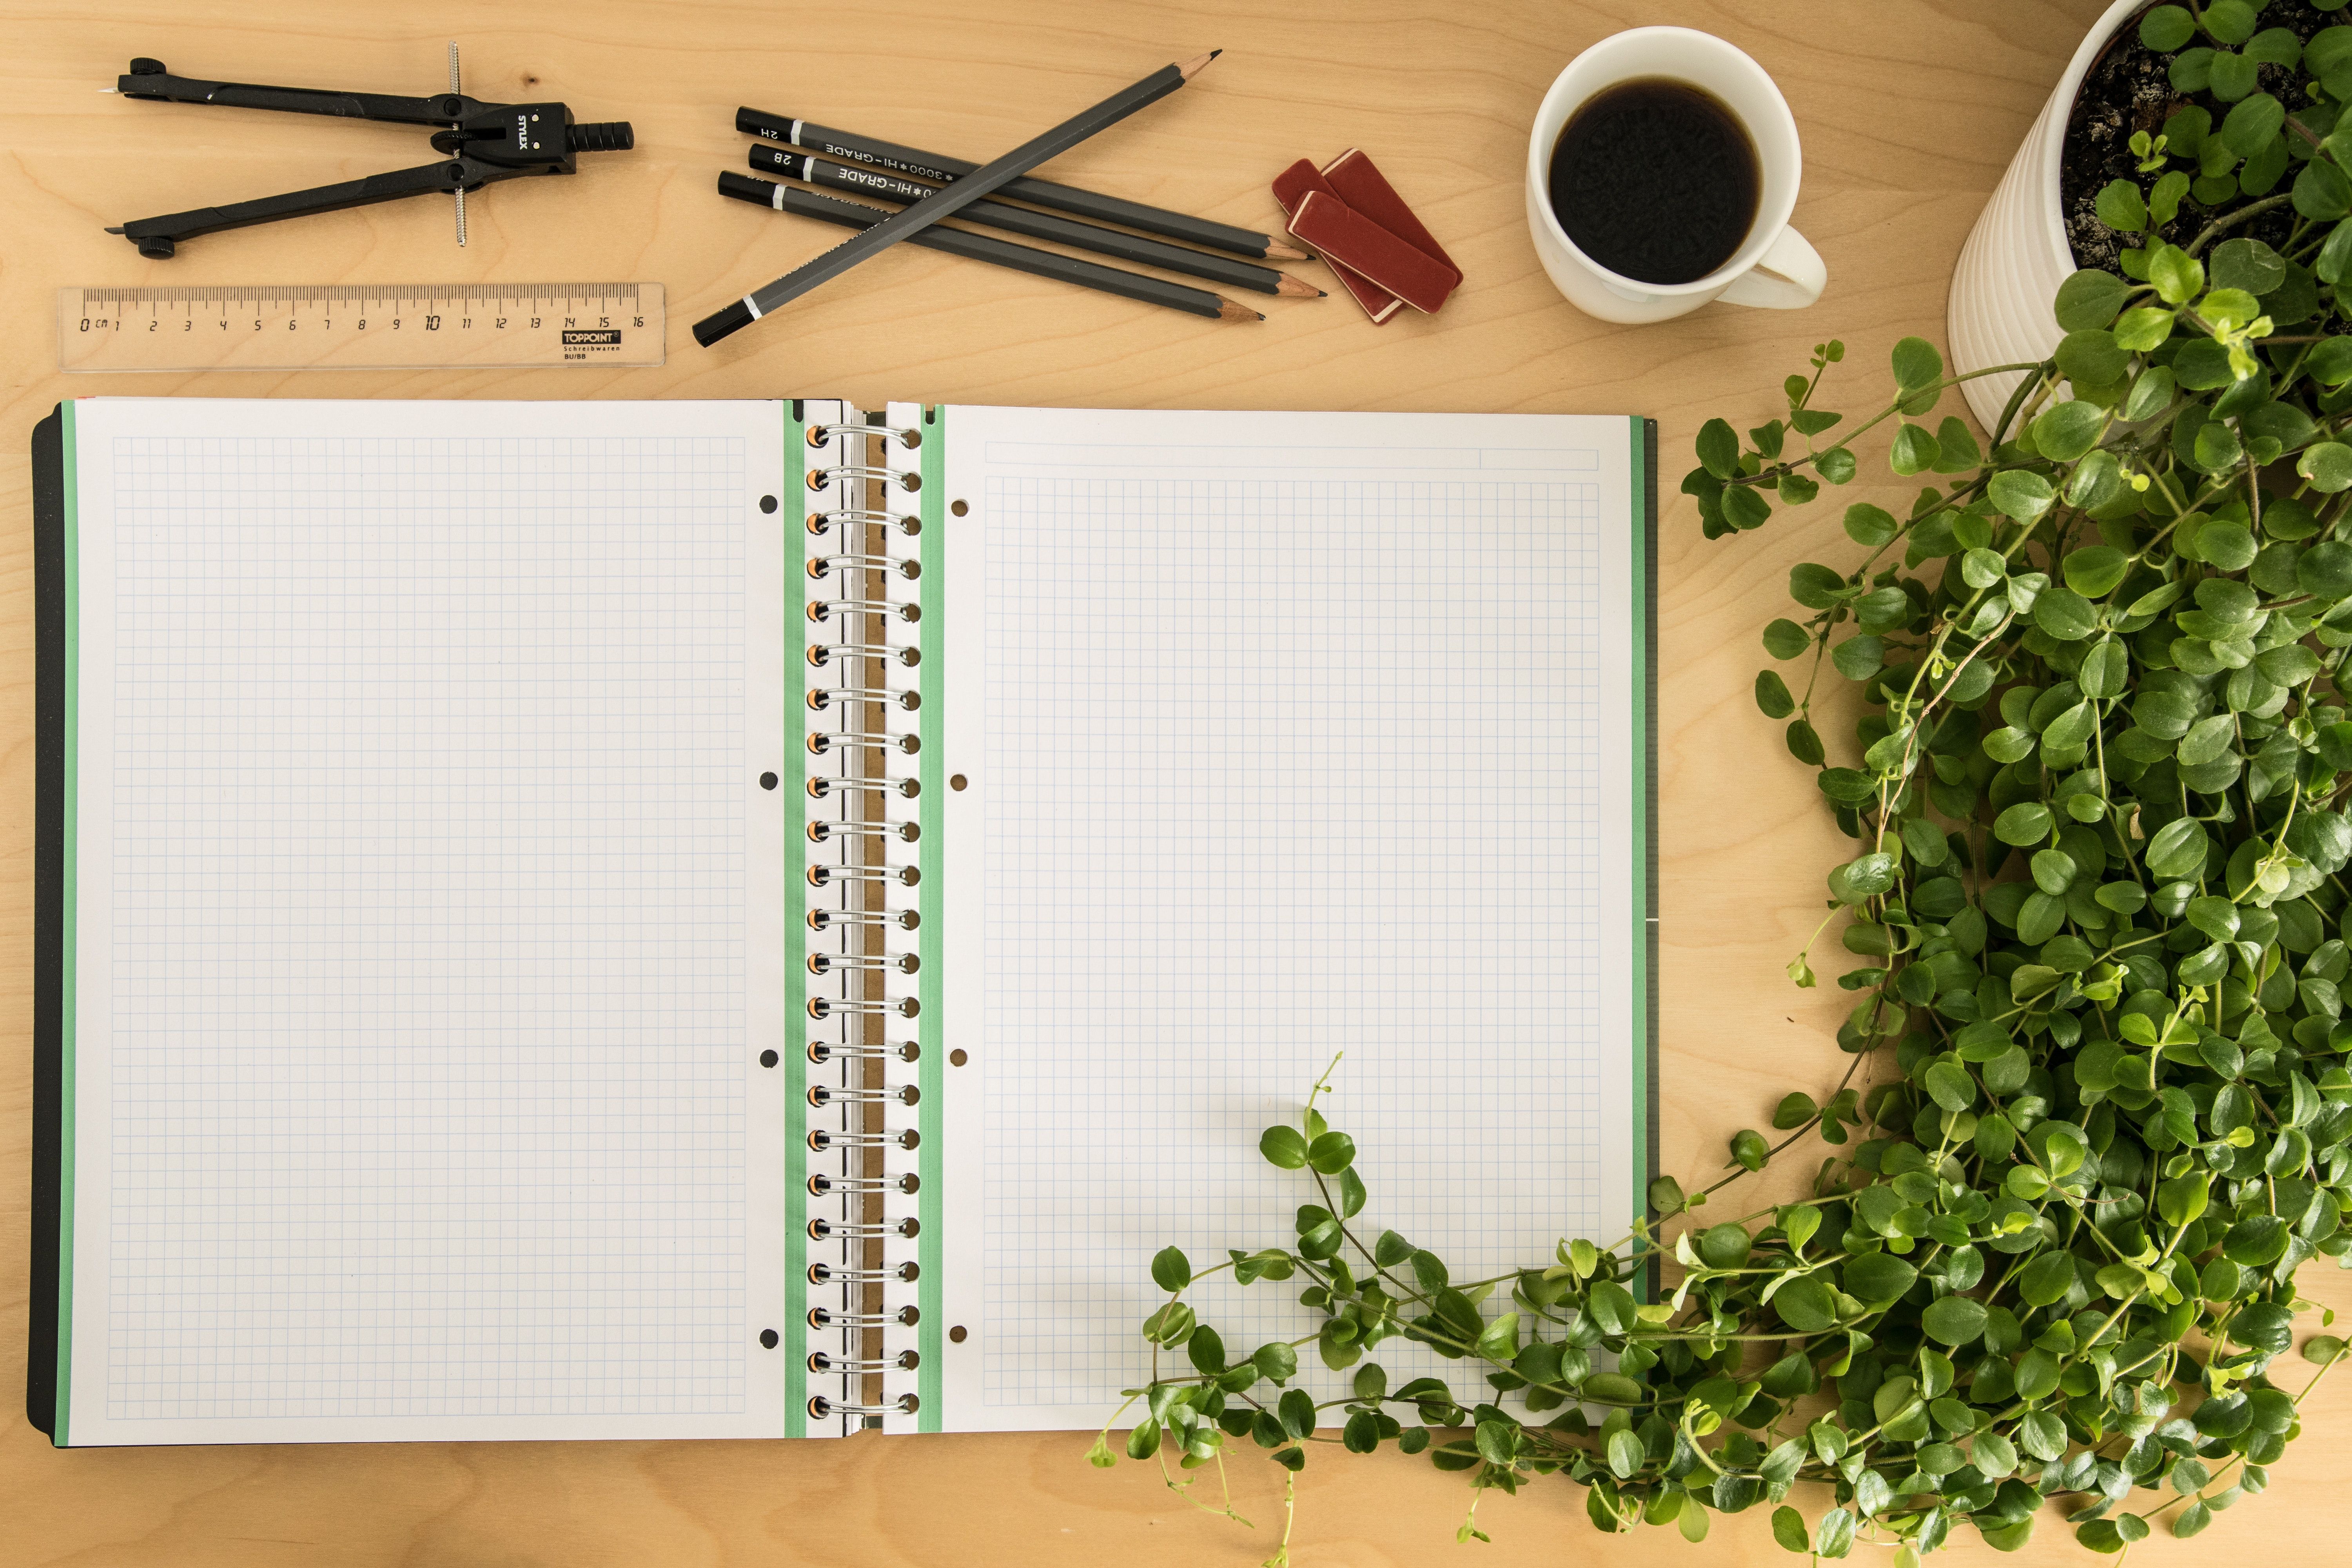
[{"x": 1774, "y": 266}]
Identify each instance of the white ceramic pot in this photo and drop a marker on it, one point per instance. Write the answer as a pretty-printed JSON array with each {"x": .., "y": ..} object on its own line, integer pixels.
[{"x": 2017, "y": 254}]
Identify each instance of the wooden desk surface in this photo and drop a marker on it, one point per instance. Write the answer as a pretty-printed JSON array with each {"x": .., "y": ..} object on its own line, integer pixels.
[{"x": 1909, "y": 110}]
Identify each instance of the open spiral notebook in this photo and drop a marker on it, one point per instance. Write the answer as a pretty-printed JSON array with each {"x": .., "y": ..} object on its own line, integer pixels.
[{"x": 730, "y": 920}]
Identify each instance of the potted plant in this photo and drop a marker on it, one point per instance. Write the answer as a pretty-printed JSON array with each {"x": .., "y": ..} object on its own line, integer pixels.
[
  {"x": 2098, "y": 126},
  {"x": 2096, "y": 1115}
]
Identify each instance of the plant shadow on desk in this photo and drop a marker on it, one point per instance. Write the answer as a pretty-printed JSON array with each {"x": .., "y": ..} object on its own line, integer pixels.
[{"x": 2096, "y": 1115}]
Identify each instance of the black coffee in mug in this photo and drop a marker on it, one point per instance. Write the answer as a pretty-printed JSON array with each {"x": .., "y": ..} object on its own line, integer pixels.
[{"x": 1656, "y": 180}]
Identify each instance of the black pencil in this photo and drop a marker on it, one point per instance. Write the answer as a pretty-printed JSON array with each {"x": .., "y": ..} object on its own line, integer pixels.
[
  {"x": 948, "y": 199},
  {"x": 1001, "y": 252},
  {"x": 939, "y": 167},
  {"x": 1241, "y": 274}
]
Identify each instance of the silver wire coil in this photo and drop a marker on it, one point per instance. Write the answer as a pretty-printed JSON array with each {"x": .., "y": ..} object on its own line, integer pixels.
[
  {"x": 823, "y": 784},
  {"x": 903, "y": 1318},
  {"x": 822, "y": 829},
  {"x": 825, "y": 920},
  {"x": 822, "y": 742},
  {"x": 821, "y": 1186},
  {"x": 821, "y": 653},
  {"x": 823, "y": 1051},
  {"x": 908, "y": 479},
  {"x": 854, "y": 606},
  {"x": 905, "y": 699},
  {"x": 906, "y": 522},
  {"x": 823, "y": 1364},
  {"x": 823, "y": 566},
  {"x": 820, "y": 610},
  {"x": 826, "y": 1230},
  {"x": 907, "y": 437},
  {"x": 827, "y": 876},
  {"x": 822, "y": 1141},
  {"x": 823, "y": 1409},
  {"x": 823, "y": 1007},
  {"x": 822, "y": 1095},
  {"x": 821, "y": 1274},
  {"x": 863, "y": 962}
]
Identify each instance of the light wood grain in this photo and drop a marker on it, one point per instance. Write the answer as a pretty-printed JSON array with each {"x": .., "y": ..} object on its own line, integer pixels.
[{"x": 1909, "y": 110}]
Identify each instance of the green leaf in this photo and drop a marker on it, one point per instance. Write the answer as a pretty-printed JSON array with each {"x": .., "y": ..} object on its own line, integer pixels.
[
  {"x": 2230, "y": 77},
  {"x": 1331, "y": 1154},
  {"x": 1915, "y": 450},
  {"x": 2121, "y": 206},
  {"x": 1815, "y": 586},
  {"x": 1170, "y": 1270},
  {"x": 1805, "y": 1304},
  {"x": 2163, "y": 30},
  {"x": 1745, "y": 507},
  {"x": 1277, "y": 1361},
  {"x": 1789, "y": 1529},
  {"x": 2028, "y": 822},
  {"x": 1872, "y": 526},
  {"x": 1918, "y": 364},
  {"x": 1876, "y": 1276},
  {"x": 1786, "y": 639},
  {"x": 2177, "y": 850},
  {"x": 1951, "y": 1085},
  {"x": 2330, "y": 363},
  {"x": 2092, "y": 358},
  {"x": 2325, "y": 570},
  {"x": 1623, "y": 1450},
  {"x": 2089, "y": 299},
  {"x": 1795, "y": 1110},
  {"x": 1719, "y": 448},
  {"x": 2252, "y": 123},
  {"x": 1748, "y": 1148},
  {"x": 2065, "y": 431},
  {"x": 1283, "y": 1146},
  {"x": 2231, "y": 21},
  {"x": 1772, "y": 695},
  {"x": 1953, "y": 1320},
  {"x": 1612, "y": 1306},
  {"x": 1956, "y": 446},
  {"x": 2150, "y": 391},
  {"x": 2022, "y": 494},
  {"x": 2178, "y": 277},
  {"x": 2095, "y": 570},
  {"x": 2247, "y": 264},
  {"x": 2327, "y": 465}
]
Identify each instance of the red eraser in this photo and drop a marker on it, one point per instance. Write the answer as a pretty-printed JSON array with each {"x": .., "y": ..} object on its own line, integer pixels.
[
  {"x": 1356, "y": 181},
  {"x": 1292, "y": 186},
  {"x": 1344, "y": 235}
]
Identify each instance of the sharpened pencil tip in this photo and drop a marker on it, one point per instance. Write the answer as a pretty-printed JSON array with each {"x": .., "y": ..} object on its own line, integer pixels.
[{"x": 1198, "y": 64}]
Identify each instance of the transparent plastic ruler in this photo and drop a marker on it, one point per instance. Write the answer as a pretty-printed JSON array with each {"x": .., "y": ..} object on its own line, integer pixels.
[{"x": 360, "y": 326}]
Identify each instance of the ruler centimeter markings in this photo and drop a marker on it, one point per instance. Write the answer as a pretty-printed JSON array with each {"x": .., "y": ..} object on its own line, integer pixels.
[{"x": 360, "y": 326}]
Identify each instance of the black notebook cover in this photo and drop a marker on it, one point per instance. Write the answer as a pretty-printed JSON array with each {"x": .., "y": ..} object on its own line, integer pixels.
[{"x": 48, "y": 905}]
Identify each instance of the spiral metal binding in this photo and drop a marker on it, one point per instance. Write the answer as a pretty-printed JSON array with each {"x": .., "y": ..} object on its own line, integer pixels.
[
  {"x": 859, "y": 910},
  {"x": 906, "y": 522}
]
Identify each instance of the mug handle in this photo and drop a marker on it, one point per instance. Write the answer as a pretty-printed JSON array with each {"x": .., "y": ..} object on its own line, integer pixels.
[{"x": 1800, "y": 278}]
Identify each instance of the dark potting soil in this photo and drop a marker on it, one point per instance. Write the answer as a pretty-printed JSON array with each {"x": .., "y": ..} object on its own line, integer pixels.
[{"x": 2126, "y": 90}]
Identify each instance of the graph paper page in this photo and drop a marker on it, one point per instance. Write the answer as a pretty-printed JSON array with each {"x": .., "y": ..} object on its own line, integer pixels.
[
  {"x": 1283, "y": 735},
  {"x": 427, "y": 921}
]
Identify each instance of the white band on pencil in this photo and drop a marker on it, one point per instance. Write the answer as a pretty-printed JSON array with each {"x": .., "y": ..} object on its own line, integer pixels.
[{"x": 750, "y": 304}]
